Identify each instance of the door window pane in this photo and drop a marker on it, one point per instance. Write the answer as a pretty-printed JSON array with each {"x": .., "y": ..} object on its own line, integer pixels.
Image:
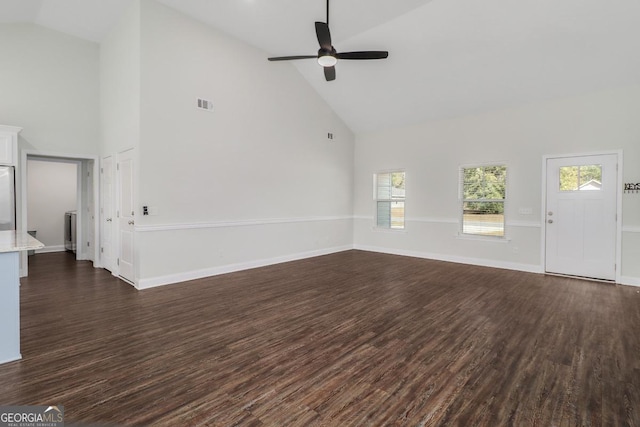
[{"x": 581, "y": 178}]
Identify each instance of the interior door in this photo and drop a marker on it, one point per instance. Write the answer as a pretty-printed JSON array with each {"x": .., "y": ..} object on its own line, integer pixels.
[
  {"x": 107, "y": 213},
  {"x": 581, "y": 215},
  {"x": 88, "y": 207},
  {"x": 125, "y": 215}
]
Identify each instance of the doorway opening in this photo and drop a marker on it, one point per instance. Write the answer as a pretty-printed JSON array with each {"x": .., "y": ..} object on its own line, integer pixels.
[
  {"x": 44, "y": 173},
  {"x": 581, "y": 233}
]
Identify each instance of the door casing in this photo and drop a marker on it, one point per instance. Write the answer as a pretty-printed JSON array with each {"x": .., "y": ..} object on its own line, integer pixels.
[
  {"x": 91, "y": 163},
  {"x": 543, "y": 210},
  {"x": 107, "y": 214}
]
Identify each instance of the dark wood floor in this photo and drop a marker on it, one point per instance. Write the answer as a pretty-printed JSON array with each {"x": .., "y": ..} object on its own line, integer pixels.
[{"x": 354, "y": 338}]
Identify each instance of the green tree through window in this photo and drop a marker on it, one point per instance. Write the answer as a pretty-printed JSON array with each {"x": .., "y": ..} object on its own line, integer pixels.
[
  {"x": 483, "y": 198},
  {"x": 573, "y": 178}
]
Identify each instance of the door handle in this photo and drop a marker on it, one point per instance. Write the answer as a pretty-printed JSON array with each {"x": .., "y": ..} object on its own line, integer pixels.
[
  {"x": 109, "y": 219},
  {"x": 130, "y": 222},
  {"x": 550, "y": 213},
  {"x": 550, "y": 221}
]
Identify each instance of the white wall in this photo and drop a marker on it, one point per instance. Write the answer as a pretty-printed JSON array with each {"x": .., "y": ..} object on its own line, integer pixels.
[
  {"x": 49, "y": 87},
  {"x": 431, "y": 154},
  {"x": 51, "y": 191},
  {"x": 120, "y": 84},
  {"x": 255, "y": 181}
]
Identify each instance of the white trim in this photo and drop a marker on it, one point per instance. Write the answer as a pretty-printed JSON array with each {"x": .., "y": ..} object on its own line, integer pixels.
[
  {"x": 389, "y": 230},
  {"x": 631, "y": 229},
  {"x": 543, "y": 211},
  {"x": 125, "y": 280},
  {"x": 620, "y": 181},
  {"x": 363, "y": 217},
  {"x": 153, "y": 282},
  {"x": 529, "y": 268},
  {"x": 112, "y": 266},
  {"x": 49, "y": 249},
  {"x": 13, "y": 132},
  {"x": 629, "y": 281},
  {"x": 588, "y": 279},
  {"x": 482, "y": 238},
  {"x": 10, "y": 129},
  {"x": 231, "y": 224},
  {"x": 12, "y": 359},
  {"x": 524, "y": 224},
  {"x": 585, "y": 154},
  {"x": 21, "y": 192},
  {"x": 435, "y": 220}
]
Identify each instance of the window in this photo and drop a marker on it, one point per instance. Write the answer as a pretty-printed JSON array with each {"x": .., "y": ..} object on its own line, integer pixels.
[
  {"x": 483, "y": 190},
  {"x": 581, "y": 178},
  {"x": 389, "y": 197}
]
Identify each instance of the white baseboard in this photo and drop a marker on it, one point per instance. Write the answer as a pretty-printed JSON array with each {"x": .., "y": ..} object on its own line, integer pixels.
[
  {"x": 529, "y": 268},
  {"x": 231, "y": 268},
  {"x": 630, "y": 281},
  {"x": 224, "y": 269},
  {"x": 49, "y": 249},
  {"x": 11, "y": 359}
]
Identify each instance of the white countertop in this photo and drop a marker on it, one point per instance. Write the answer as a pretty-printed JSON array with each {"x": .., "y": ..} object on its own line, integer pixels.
[{"x": 12, "y": 241}]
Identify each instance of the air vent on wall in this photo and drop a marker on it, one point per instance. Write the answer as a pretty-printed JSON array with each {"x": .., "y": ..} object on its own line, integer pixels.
[{"x": 204, "y": 104}]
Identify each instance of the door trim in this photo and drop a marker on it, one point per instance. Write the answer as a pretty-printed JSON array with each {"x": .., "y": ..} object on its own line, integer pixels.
[
  {"x": 21, "y": 195},
  {"x": 543, "y": 205},
  {"x": 111, "y": 267}
]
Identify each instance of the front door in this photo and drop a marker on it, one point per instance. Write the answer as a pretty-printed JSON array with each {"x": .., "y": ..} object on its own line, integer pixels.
[
  {"x": 125, "y": 215},
  {"x": 581, "y": 215}
]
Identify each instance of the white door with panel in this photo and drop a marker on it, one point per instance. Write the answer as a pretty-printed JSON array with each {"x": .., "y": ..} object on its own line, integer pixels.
[
  {"x": 581, "y": 216},
  {"x": 107, "y": 213},
  {"x": 125, "y": 215},
  {"x": 90, "y": 223}
]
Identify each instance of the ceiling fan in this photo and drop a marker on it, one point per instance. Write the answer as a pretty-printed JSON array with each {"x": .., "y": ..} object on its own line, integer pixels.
[{"x": 327, "y": 55}]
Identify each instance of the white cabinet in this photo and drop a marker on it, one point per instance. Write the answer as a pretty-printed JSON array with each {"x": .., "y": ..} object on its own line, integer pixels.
[
  {"x": 11, "y": 245},
  {"x": 9, "y": 307},
  {"x": 9, "y": 145}
]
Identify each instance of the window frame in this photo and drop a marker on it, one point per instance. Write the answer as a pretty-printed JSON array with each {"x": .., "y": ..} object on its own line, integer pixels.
[
  {"x": 462, "y": 201},
  {"x": 376, "y": 200}
]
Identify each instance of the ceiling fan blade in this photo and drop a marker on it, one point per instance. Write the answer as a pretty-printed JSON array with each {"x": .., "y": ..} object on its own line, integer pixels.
[
  {"x": 287, "y": 58},
  {"x": 330, "y": 73},
  {"x": 324, "y": 36},
  {"x": 370, "y": 54}
]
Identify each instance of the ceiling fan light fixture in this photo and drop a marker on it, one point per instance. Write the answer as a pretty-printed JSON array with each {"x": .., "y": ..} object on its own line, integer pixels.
[
  {"x": 327, "y": 56},
  {"x": 327, "y": 60}
]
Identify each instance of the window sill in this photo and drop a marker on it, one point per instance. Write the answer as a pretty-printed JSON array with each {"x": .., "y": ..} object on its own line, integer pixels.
[
  {"x": 493, "y": 239},
  {"x": 389, "y": 230}
]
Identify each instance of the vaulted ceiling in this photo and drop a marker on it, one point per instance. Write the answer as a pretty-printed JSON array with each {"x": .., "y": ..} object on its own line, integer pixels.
[{"x": 447, "y": 57}]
